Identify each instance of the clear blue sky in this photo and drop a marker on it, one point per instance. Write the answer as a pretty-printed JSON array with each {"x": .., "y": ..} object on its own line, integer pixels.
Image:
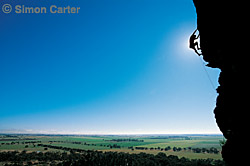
[{"x": 119, "y": 66}]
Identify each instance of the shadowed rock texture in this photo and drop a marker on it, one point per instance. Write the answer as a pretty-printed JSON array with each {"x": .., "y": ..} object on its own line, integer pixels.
[{"x": 224, "y": 29}]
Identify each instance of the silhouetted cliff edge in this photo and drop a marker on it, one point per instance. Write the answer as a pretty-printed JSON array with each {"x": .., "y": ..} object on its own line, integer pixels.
[{"x": 224, "y": 31}]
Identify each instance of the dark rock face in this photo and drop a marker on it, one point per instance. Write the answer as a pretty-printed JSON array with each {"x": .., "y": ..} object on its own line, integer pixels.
[{"x": 224, "y": 31}]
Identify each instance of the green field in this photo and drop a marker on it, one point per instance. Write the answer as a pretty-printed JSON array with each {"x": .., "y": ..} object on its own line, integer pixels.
[{"x": 189, "y": 146}]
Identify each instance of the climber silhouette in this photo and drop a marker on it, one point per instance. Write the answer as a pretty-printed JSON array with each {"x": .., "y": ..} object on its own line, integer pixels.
[{"x": 193, "y": 43}]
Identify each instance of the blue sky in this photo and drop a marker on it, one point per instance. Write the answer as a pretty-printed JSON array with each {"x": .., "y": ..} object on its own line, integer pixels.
[{"x": 117, "y": 67}]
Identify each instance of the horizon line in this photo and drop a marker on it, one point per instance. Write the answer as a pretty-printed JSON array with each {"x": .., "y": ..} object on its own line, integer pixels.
[{"x": 107, "y": 134}]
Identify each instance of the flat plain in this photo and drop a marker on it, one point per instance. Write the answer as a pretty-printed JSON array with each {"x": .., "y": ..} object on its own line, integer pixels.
[{"x": 189, "y": 146}]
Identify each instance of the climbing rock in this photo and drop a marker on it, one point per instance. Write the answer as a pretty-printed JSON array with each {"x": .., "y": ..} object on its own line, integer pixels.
[{"x": 224, "y": 29}]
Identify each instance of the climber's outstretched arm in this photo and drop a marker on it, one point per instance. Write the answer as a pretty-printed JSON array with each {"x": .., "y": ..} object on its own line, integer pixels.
[{"x": 194, "y": 32}]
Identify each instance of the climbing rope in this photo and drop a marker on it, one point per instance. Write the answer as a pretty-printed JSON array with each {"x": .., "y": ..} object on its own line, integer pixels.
[
  {"x": 192, "y": 45},
  {"x": 208, "y": 76}
]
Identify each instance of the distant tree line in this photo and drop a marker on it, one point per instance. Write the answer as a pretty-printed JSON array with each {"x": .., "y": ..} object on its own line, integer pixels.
[
  {"x": 126, "y": 140},
  {"x": 98, "y": 158},
  {"x": 104, "y": 145},
  {"x": 172, "y": 137},
  {"x": 205, "y": 150},
  {"x": 33, "y": 142},
  {"x": 63, "y": 148},
  {"x": 27, "y": 142},
  {"x": 178, "y": 149},
  {"x": 211, "y": 150},
  {"x": 26, "y": 146},
  {"x": 72, "y": 142},
  {"x": 146, "y": 148}
]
